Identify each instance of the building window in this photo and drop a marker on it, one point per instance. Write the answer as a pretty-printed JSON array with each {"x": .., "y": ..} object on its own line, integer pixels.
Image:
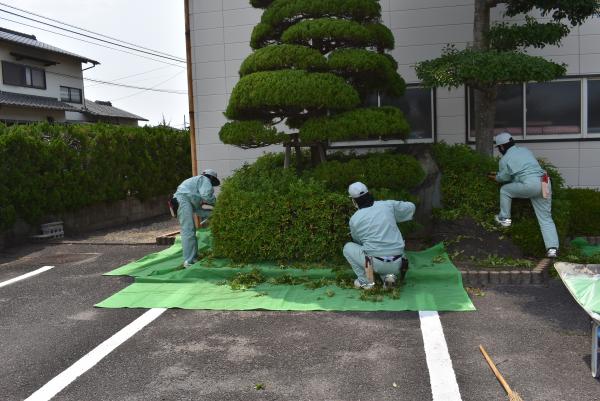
[
  {"x": 71, "y": 95},
  {"x": 553, "y": 108},
  {"x": 417, "y": 106},
  {"x": 23, "y": 75},
  {"x": 542, "y": 110},
  {"x": 593, "y": 106}
]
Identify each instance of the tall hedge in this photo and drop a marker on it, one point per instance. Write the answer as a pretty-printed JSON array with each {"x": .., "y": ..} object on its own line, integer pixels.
[
  {"x": 266, "y": 212},
  {"x": 49, "y": 169}
]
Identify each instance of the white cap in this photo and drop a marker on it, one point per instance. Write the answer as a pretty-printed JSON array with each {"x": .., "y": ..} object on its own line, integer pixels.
[
  {"x": 212, "y": 173},
  {"x": 502, "y": 138},
  {"x": 357, "y": 190}
]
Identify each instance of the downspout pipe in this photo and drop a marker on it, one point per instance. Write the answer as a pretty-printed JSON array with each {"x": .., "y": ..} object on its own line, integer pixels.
[{"x": 188, "y": 54}]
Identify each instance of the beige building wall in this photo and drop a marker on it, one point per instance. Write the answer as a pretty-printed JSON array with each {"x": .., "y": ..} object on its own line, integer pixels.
[{"x": 220, "y": 41}]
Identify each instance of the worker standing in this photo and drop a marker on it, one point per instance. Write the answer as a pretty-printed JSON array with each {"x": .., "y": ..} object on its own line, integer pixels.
[
  {"x": 191, "y": 195},
  {"x": 376, "y": 237},
  {"x": 522, "y": 177}
]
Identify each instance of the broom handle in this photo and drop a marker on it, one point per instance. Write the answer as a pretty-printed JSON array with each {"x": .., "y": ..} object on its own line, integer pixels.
[{"x": 495, "y": 370}]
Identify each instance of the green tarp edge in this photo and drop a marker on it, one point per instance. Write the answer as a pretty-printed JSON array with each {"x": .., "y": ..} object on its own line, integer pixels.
[{"x": 432, "y": 283}]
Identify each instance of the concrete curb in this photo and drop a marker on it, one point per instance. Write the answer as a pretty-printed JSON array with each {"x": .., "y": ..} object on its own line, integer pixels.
[{"x": 537, "y": 276}]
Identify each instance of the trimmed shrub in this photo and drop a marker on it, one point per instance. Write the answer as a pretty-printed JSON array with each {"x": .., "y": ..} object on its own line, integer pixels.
[
  {"x": 50, "y": 169},
  {"x": 290, "y": 11},
  {"x": 250, "y": 134},
  {"x": 367, "y": 123},
  {"x": 585, "y": 213},
  {"x": 265, "y": 212},
  {"x": 279, "y": 57},
  {"x": 287, "y": 91}
]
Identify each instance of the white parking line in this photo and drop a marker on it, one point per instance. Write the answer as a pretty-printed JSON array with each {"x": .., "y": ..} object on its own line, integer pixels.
[
  {"x": 441, "y": 374},
  {"x": 24, "y": 276},
  {"x": 65, "y": 378}
]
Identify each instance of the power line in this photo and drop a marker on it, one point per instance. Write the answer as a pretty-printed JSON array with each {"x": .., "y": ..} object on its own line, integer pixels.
[
  {"x": 87, "y": 30},
  {"x": 131, "y": 76},
  {"x": 149, "y": 89},
  {"x": 92, "y": 43},
  {"x": 92, "y": 37}
]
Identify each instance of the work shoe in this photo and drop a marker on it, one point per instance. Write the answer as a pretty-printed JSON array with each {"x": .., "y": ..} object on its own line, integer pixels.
[
  {"x": 552, "y": 252},
  {"x": 389, "y": 281},
  {"x": 188, "y": 264},
  {"x": 503, "y": 221},
  {"x": 367, "y": 286}
]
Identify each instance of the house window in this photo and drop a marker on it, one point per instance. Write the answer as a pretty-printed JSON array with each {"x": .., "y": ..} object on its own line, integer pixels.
[
  {"x": 71, "y": 95},
  {"x": 509, "y": 110},
  {"x": 593, "y": 104},
  {"x": 417, "y": 106},
  {"x": 553, "y": 108},
  {"x": 539, "y": 110},
  {"x": 23, "y": 75}
]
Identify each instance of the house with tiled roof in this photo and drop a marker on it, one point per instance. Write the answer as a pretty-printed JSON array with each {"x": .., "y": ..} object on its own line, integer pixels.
[{"x": 41, "y": 82}]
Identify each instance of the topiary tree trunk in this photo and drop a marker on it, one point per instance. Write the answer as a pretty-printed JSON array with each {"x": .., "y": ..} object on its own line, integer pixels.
[{"x": 313, "y": 65}]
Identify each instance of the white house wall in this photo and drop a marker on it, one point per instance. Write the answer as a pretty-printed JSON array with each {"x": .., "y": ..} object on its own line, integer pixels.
[{"x": 220, "y": 42}]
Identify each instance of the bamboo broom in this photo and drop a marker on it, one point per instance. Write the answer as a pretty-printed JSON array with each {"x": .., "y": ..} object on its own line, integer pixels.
[{"x": 512, "y": 396}]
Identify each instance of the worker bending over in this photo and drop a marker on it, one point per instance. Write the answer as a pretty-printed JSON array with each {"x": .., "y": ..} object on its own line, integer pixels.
[
  {"x": 191, "y": 195},
  {"x": 377, "y": 238},
  {"x": 522, "y": 177}
]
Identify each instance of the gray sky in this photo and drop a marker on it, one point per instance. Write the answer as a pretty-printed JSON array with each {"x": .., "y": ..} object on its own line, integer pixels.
[{"x": 154, "y": 24}]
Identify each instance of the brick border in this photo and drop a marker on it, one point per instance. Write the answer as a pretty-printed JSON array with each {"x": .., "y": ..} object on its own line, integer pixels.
[{"x": 537, "y": 276}]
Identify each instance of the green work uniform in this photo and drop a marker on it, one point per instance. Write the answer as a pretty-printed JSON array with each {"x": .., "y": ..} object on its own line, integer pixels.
[
  {"x": 521, "y": 175},
  {"x": 375, "y": 232},
  {"x": 191, "y": 194}
]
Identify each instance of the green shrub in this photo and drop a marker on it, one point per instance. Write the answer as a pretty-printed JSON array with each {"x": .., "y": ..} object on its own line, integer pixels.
[
  {"x": 366, "y": 123},
  {"x": 256, "y": 95},
  {"x": 51, "y": 169},
  {"x": 466, "y": 191},
  {"x": 585, "y": 213},
  {"x": 279, "y": 57},
  {"x": 265, "y": 212},
  {"x": 249, "y": 134}
]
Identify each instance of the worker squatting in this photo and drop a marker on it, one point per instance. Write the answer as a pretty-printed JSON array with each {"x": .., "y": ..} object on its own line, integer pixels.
[{"x": 377, "y": 245}]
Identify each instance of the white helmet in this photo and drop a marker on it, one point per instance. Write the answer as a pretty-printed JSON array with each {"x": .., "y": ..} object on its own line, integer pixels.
[
  {"x": 502, "y": 138},
  {"x": 212, "y": 175},
  {"x": 357, "y": 190}
]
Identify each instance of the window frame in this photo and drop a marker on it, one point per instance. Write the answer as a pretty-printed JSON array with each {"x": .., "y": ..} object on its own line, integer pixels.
[
  {"x": 70, "y": 88},
  {"x": 28, "y": 72},
  {"x": 583, "y": 117},
  {"x": 374, "y": 143}
]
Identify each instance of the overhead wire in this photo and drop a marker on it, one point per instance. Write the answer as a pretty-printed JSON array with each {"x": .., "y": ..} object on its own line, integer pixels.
[
  {"x": 130, "y": 76},
  {"x": 153, "y": 88},
  {"x": 87, "y": 30},
  {"x": 92, "y": 37},
  {"x": 92, "y": 43}
]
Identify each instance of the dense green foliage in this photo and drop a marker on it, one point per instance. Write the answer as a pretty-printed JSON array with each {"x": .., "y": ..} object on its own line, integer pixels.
[
  {"x": 314, "y": 58},
  {"x": 466, "y": 191},
  {"x": 368, "y": 123},
  {"x": 585, "y": 213},
  {"x": 281, "y": 57},
  {"x": 266, "y": 212},
  {"x": 49, "y": 169},
  {"x": 505, "y": 36},
  {"x": 485, "y": 69},
  {"x": 250, "y": 134},
  {"x": 289, "y": 92},
  {"x": 575, "y": 11}
]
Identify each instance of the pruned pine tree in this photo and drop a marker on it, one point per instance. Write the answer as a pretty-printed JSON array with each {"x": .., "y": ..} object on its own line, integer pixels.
[
  {"x": 497, "y": 54},
  {"x": 314, "y": 62}
]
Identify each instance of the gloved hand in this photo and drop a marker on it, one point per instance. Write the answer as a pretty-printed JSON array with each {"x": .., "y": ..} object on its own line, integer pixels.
[{"x": 491, "y": 176}]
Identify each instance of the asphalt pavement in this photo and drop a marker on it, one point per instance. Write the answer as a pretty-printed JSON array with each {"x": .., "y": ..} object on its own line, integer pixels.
[{"x": 538, "y": 336}]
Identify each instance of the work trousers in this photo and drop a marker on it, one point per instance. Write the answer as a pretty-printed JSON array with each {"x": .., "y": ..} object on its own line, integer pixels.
[
  {"x": 531, "y": 189},
  {"x": 185, "y": 215},
  {"x": 355, "y": 255}
]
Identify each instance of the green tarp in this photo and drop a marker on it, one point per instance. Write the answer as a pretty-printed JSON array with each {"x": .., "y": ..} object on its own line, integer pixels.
[
  {"x": 583, "y": 282},
  {"x": 432, "y": 283},
  {"x": 586, "y": 248}
]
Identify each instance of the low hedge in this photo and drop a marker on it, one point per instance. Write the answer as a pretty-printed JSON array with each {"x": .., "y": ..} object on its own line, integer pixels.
[
  {"x": 49, "y": 169},
  {"x": 585, "y": 213},
  {"x": 466, "y": 191},
  {"x": 266, "y": 212}
]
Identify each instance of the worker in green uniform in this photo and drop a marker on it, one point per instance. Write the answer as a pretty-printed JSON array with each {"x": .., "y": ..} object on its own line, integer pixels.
[
  {"x": 522, "y": 176},
  {"x": 376, "y": 237},
  {"x": 192, "y": 194}
]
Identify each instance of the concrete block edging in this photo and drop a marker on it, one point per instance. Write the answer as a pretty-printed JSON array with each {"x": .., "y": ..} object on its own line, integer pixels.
[{"x": 537, "y": 276}]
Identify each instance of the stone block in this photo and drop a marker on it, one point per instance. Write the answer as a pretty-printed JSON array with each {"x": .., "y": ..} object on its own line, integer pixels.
[
  {"x": 536, "y": 277},
  {"x": 473, "y": 277},
  {"x": 494, "y": 277},
  {"x": 525, "y": 276},
  {"x": 484, "y": 277},
  {"x": 504, "y": 277},
  {"x": 515, "y": 277}
]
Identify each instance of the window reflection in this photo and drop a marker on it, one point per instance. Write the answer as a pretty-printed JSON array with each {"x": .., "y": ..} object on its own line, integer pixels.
[
  {"x": 553, "y": 108},
  {"x": 417, "y": 108}
]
